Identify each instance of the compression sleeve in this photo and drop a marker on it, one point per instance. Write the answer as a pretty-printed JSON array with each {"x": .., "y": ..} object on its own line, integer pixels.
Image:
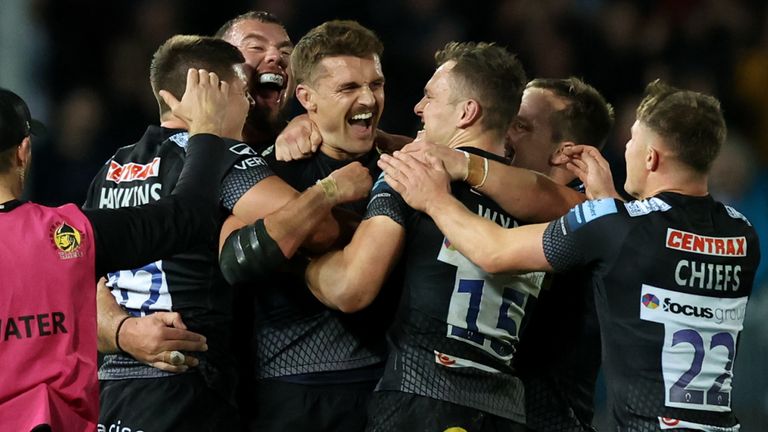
[
  {"x": 385, "y": 201},
  {"x": 249, "y": 253},
  {"x": 130, "y": 237}
]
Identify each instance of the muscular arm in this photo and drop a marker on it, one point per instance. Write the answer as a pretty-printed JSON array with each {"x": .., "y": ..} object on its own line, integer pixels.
[
  {"x": 350, "y": 279},
  {"x": 425, "y": 187},
  {"x": 527, "y": 195},
  {"x": 249, "y": 252}
]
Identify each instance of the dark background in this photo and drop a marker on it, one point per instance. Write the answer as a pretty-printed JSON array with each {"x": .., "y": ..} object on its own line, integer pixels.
[{"x": 83, "y": 68}]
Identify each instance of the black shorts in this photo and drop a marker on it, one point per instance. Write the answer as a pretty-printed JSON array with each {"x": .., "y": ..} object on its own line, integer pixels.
[
  {"x": 176, "y": 403},
  {"x": 284, "y": 406},
  {"x": 396, "y": 411}
]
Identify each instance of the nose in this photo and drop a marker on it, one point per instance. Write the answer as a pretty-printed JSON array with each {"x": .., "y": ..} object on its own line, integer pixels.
[
  {"x": 419, "y": 107},
  {"x": 366, "y": 96},
  {"x": 272, "y": 54}
]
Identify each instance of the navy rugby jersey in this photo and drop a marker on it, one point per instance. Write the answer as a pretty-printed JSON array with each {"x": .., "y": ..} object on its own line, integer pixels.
[
  {"x": 672, "y": 275},
  {"x": 456, "y": 328},
  {"x": 297, "y": 338},
  {"x": 189, "y": 283}
]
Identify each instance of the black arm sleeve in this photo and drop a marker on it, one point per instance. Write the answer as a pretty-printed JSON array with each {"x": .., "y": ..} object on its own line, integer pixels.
[
  {"x": 130, "y": 237},
  {"x": 249, "y": 254},
  {"x": 385, "y": 201}
]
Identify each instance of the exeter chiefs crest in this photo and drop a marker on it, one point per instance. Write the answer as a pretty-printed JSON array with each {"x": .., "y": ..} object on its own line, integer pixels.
[{"x": 67, "y": 240}]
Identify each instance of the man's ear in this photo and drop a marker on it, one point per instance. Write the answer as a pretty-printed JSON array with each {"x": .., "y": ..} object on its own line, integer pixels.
[
  {"x": 471, "y": 111},
  {"x": 306, "y": 96},
  {"x": 558, "y": 150},
  {"x": 652, "y": 159}
]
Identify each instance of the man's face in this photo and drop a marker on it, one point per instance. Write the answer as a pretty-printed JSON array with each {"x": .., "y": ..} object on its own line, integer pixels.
[
  {"x": 530, "y": 135},
  {"x": 346, "y": 99},
  {"x": 437, "y": 109},
  {"x": 635, "y": 156},
  {"x": 267, "y": 51}
]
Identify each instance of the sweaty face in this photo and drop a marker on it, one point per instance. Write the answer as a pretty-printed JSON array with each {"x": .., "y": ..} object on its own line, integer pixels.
[
  {"x": 437, "y": 109},
  {"x": 267, "y": 51},
  {"x": 345, "y": 100},
  {"x": 634, "y": 156},
  {"x": 530, "y": 135}
]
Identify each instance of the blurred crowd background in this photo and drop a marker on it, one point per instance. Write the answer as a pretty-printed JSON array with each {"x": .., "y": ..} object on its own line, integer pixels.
[{"x": 83, "y": 67}]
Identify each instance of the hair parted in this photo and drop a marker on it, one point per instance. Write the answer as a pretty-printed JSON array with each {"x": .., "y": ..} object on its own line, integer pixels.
[
  {"x": 261, "y": 16},
  {"x": 692, "y": 123},
  {"x": 332, "y": 38},
  {"x": 587, "y": 119},
  {"x": 491, "y": 75},
  {"x": 178, "y": 54}
]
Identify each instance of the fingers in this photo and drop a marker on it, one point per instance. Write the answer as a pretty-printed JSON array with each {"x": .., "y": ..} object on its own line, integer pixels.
[
  {"x": 174, "y": 361},
  {"x": 315, "y": 138},
  {"x": 169, "y": 99},
  {"x": 172, "y": 319}
]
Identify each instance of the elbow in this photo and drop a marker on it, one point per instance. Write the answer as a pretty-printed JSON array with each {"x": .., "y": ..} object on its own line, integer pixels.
[
  {"x": 352, "y": 297},
  {"x": 490, "y": 263}
]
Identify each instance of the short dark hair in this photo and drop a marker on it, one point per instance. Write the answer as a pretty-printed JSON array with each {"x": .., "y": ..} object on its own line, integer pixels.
[
  {"x": 178, "y": 54},
  {"x": 261, "y": 16},
  {"x": 332, "y": 38},
  {"x": 692, "y": 123},
  {"x": 587, "y": 119},
  {"x": 491, "y": 75}
]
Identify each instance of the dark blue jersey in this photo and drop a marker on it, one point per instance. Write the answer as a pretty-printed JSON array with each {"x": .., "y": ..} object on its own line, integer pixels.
[
  {"x": 297, "y": 338},
  {"x": 189, "y": 283},
  {"x": 671, "y": 275},
  {"x": 455, "y": 331}
]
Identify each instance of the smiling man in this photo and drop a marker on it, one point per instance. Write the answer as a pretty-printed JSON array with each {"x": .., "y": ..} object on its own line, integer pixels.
[
  {"x": 314, "y": 368},
  {"x": 263, "y": 41}
]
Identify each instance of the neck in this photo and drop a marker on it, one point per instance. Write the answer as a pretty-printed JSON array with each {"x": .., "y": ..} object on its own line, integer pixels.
[
  {"x": 170, "y": 121},
  {"x": 9, "y": 189},
  {"x": 484, "y": 141},
  {"x": 338, "y": 153},
  {"x": 681, "y": 182}
]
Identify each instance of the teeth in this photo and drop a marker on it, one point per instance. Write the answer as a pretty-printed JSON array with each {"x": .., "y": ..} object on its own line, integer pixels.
[
  {"x": 271, "y": 78},
  {"x": 363, "y": 116}
]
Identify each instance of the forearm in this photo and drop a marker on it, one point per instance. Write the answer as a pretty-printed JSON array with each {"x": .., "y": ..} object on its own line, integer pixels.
[
  {"x": 350, "y": 279},
  {"x": 109, "y": 314},
  {"x": 293, "y": 224},
  {"x": 491, "y": 247},
  {"x": 527, "y": 195}
]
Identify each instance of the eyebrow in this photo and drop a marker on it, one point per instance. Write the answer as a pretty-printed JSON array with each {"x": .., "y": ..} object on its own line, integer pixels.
[{"x": 258, "y": 36}]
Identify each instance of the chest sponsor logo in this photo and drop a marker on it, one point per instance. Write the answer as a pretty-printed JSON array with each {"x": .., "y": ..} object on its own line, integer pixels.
[
  {"x": 132, "y": 171},
  {"x": 704, "y": 245},
  {"x": 67, "y": 240},
  {"x": 662, "y": 305}
]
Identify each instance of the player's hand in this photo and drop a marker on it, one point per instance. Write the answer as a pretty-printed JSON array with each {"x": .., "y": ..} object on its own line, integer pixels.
[
  {"x": 299, "y": 140},
  {"x": 455, "y": 162},
  {"x": 353, "y": 182},
  {"x": 593, "y": 170},
  {"x": 203, "y": 104},
  {"x": 153, "y": 339},
  {"x": 419, "y": 183}
]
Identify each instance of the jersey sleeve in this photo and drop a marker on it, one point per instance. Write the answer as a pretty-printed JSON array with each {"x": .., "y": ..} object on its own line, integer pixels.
[
  {"x": 248, "y": 170},
  {"x": 385, "y": 201},
  {"x": 584, "y": 235}
]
